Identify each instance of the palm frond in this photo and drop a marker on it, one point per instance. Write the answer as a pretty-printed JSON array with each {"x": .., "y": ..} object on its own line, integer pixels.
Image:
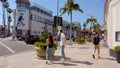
[{"x": 63, "y": 11}]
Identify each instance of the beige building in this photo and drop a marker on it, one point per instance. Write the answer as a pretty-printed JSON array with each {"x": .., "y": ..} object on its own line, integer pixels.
[{"x": 112, "y": 21}]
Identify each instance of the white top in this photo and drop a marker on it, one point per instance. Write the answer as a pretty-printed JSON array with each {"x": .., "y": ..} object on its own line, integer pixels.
[{"x": 61, "y": 38}]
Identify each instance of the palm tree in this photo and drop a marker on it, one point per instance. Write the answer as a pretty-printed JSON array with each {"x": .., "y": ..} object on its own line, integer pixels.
[
  {"x": 84, "y": 28},
  {"x": 97, "y": 27},
  {"x": 69, "y": 7},
  {"x": 4, "y": 5},
  {"x": 91, "y": 20}
]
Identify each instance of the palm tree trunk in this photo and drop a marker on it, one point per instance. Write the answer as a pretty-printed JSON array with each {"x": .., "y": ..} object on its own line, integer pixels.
[
  {"x": 70, "y": 27},
  {"x": 4, "y": 20},
  {"x": 91, "y": 28}
]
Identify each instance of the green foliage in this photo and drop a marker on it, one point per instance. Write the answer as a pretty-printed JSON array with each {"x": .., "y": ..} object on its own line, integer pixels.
[
  {"x": 80, "y": 40},
  {"x": 43, "y": 46},
  {"x": 89, "y": 39},
  {"x": 117, "y": 48},
  {"x": 44, "y": 36}
]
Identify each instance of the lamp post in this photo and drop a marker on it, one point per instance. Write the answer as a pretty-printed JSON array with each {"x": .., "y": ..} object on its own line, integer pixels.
[{"x": 9, "y": 19}]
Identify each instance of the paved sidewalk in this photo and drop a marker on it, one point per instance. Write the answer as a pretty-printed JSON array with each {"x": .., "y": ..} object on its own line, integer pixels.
[{"x": 77, "y": 56}]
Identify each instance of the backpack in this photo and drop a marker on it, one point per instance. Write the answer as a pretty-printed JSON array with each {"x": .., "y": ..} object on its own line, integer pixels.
[{"x": 96, "y": 40}]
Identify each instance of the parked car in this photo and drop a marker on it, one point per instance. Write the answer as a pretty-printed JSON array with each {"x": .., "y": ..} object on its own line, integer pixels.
[
  {"x": 67, "y": 37},
  {"x": 32, "y": 39}
]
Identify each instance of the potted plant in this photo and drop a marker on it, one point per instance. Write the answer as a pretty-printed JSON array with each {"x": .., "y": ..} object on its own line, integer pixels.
[
  {"x": 41, "y": 46},
  {"x": 117, "y": 50}
]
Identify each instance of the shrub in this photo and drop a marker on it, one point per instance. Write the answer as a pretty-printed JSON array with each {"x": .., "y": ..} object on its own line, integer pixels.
[
  {"x": 89, "y": 39},
  {"x": 80, "y": 40},
  {"x": 117, "y": 48},
  {"x": 43, "y": 36},
  {"x": 43, "y": 46},
  {"x": 40, "y": 45}
]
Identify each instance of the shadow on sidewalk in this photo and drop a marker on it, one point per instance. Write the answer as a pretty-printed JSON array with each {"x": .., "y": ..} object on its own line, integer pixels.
[
  {"x": 82, "y": 62},
  {"x": 112, "y": 59},
  {"x": 84, "y": 48},
  {"x": 58, "y": 58}
]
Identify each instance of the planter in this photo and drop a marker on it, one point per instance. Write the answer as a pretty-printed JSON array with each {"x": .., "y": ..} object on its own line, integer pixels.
[
  {"x": 41, "y": 53},
  {"x": 118, "y": 57},
  {"x": 117, "y": 50}
]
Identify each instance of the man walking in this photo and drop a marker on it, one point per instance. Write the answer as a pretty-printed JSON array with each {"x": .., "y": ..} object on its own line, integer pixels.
[
  {"x": 96, "y": 41},
  {"x": 62, "y": 44}
]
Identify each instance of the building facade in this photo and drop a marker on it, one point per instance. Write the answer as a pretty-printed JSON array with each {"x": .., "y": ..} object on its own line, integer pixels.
[
  {"x": 113, "y": 23},
  {"x": 32, "y": 18}
]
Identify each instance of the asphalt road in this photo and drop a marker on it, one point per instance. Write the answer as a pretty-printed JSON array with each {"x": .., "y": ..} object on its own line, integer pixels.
[{"x": 9, "y": 47}]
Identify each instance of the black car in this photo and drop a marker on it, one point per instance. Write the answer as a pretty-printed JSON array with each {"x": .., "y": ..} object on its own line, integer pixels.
[{"x": 32, "y": 39}]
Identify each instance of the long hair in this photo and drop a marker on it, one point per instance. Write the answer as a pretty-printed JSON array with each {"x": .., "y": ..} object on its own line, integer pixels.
[{"x": 51, "y": 41}]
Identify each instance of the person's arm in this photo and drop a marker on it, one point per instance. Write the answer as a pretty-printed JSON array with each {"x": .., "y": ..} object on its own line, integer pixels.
[
  {"x": 64, "y": 39},
  {"x": 47, "y": 42}
]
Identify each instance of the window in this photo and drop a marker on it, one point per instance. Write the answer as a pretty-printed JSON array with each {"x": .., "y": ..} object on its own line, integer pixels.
[
  {"x": 41, "y": 11},
  {"x": 118, "y": 36},
  {"x": 45, "y": 13}
]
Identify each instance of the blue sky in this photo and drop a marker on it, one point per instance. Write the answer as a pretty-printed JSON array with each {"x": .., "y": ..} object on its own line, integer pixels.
[{"x": 90, "y": 7}]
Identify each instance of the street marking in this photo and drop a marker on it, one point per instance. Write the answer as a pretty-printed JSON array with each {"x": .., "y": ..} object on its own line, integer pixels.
[{"x": 11, "y": 50}]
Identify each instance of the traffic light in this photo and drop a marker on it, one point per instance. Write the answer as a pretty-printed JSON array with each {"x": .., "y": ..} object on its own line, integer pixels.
[
  {"x": 57, "y": 21},
  {"x": 60, "y": 21}
]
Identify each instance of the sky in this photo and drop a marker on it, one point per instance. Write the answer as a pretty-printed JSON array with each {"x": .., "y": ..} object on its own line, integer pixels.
[{"x": 90, "y": 7}]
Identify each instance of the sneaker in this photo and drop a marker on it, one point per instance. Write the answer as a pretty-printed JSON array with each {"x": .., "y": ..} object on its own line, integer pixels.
[
  {"x": 46, "y": 61},
  {"x": 99, "y": 57},
  {"x": 62, "y": 60},
  {"x": 51, "y": 62},
  {"x": 93, "y": 56}
]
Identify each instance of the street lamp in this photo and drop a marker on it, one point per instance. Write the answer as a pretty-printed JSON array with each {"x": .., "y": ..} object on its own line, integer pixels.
[{"x": 9, "y": 19}]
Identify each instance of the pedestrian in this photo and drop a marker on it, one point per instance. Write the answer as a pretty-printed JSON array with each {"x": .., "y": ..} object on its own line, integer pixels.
[
  {"x": 62, "y": 45},
  {"x": 96, "y": 41},
  {"x": 49, "y": 50}
]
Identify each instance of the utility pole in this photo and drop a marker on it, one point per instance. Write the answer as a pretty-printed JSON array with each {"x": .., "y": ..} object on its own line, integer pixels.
[{"x": 14, "y": 25}]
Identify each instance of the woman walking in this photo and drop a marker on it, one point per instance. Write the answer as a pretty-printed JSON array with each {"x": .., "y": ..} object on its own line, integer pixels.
[{"x": 49, "y": 50}]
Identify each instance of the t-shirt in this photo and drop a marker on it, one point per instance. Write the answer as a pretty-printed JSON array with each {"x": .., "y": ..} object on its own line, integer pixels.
[{"x": 61, "y": 38}]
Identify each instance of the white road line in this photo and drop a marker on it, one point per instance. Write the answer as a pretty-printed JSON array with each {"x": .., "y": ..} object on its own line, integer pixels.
[{"x": 11, "y": 50}]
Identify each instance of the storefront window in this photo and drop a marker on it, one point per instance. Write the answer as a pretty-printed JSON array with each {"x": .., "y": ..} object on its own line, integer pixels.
[{"x": 118, "y": 36}]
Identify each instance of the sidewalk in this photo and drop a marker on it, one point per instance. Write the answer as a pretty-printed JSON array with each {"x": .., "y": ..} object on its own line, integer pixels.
[{"x": 77, "y": 56}]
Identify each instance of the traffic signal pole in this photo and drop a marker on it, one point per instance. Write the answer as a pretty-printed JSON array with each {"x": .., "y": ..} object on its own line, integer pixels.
[{"x": 57, "y": 22}]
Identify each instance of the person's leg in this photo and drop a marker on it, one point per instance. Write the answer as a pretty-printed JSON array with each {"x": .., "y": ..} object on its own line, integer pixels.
[
  {"x": 47, "y": 54},
  {"x": 94, "y": 52},
  {"x": 95, "y": 47},
  {"x": 98, "y": 51},
  {"x": 51, "y": 52},
  {"x": 62, "y": 51}
]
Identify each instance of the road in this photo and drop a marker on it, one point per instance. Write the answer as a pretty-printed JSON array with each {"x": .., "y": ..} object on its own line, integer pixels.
[{"x": 9, "y": 47}]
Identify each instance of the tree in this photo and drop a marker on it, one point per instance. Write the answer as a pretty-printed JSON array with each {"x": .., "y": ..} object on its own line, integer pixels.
[
  {"x": 97, "y": 27},
  {"x": 84, "y": 29},
  {"x": 69, "y": 7},
  {"x": 91, "y": 20}
]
